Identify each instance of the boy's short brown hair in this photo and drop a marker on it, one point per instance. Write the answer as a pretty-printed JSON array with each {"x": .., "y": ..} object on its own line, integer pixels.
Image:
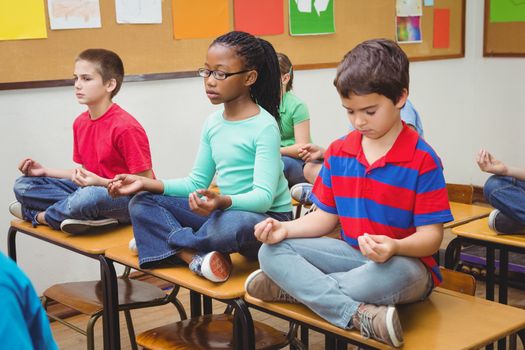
[
  {"x": 374, "y": 66},
  {"x": 108, "y": 64}
]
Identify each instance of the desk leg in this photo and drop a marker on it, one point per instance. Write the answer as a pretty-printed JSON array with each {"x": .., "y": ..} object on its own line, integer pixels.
[
  {"x": 207, "y": 305},
  {"x": 503, "y": 283},
  {"x": 243, "y": 328},
  {"x": 110, "y": 306},
  {"x": 195, "y": 304},
  {"x": 11, "y": 242},
  {"x": 489, "y": 290}
]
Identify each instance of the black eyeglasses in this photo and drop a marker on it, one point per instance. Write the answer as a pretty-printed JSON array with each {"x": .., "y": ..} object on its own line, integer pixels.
[{"x": 218, "y": 74}]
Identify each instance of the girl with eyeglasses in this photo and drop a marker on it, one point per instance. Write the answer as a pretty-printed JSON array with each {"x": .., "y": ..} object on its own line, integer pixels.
[{"x": 180, "y": 220}]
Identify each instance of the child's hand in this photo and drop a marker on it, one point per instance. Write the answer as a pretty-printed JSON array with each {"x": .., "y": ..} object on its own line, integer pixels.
[
  {"x": 270, "y": 231},
  {"x": 83, "y": 178},
  {"x": 125, "y": 185},
  {"x": 207, "y": 204},
  {"x": 29, "y": 167},
  {"x": 310, "y": 152},
  {"x": 377, "y": 248},
  {"x": 489, "y": 164}
]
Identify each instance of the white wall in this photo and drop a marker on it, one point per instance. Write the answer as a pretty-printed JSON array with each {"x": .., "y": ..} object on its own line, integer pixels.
[{"x": 465, "y": 104}]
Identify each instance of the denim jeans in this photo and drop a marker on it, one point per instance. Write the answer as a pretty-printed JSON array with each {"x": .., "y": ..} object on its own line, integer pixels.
[
  {"x": 62, "y": 199},
  {"x": 506, "y": 194},
  {"x": 164, "y": 225},
  {"x": 293, "y": 170},
  {"x": 333, "y": 279}
]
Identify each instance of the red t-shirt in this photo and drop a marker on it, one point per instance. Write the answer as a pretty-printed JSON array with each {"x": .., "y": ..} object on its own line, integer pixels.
[{"x": 113, "y": 144}]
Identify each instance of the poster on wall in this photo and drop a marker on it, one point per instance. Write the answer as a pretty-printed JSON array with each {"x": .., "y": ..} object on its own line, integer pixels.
[
  {"x": 200, "y": 18},
  {"x": 22, "y": 20},
  {"x": 259, "y": 17},
  {"x": 507, "y": 10},
  {"x": 138, "y": 11},
  {"x": 408, "y": 29},
  {"x": 74, "y": 14},
  {"x": 311, "y": 17},
  {"x": 406, "y": 8}
]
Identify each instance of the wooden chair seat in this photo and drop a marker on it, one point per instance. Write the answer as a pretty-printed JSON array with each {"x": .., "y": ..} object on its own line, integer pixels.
[
  {"x": 210, "y": 332},
  {"x": 87, "y": 297}
]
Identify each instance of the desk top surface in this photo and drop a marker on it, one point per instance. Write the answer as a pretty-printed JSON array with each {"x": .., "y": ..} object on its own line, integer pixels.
[
  {"x": 182, "y": 276},
  {"x": 464, "y": 213},
  {"x": 446, "y": 320},
  {"x": 479, "y": 229},
  {"x": 94, "y": 243}
]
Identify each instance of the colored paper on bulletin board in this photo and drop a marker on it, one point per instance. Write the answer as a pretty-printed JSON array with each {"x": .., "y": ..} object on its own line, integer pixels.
[
  {"x": 311, "y": 17},
  {"x": 428, "y": 2},
  {"x": 200, "y": 18},
  {"x": 259, "y": 17},
  {"x": 441, "y": 28},
  {"x": 507, "y": 10},
  {"x": 408, "y": 29},
  {"x": 138, "y": 11},
  {"x": 406, "y": 8},
  {"x": 22, "y": 19},
  {"x": 74, "y": 14}
]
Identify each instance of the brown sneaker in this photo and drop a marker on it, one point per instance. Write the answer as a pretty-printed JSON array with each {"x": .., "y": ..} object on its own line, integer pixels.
[
  {"x": 260, "y": 286},
  {"x": 379, "y": 322}
]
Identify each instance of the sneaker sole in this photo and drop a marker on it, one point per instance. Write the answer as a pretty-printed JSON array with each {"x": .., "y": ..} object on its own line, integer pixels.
[
  {"x": 492, "y": 219},
  {"x": 15, "y": 208},
  {"x": 219, "y": 267},
  {"x": 390, "y": 313},
  {"x": 79, "y": 226},
  {"x": 250, "y": 277}
]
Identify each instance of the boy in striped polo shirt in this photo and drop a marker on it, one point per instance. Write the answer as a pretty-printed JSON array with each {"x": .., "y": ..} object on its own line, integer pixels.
[{"x": 385, "y": 186}]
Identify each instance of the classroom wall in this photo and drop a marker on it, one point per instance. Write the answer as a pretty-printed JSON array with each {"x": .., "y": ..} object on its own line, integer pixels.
[{"x": 464, "y": 103}]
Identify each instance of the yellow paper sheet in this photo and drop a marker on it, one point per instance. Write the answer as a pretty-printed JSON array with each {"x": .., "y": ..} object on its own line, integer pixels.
[
  {"x": 200, "y": 18},
  {"x": 22, "y": 19}
]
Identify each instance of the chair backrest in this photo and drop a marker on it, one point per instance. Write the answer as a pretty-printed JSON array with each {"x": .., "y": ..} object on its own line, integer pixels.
[
  {"x": 458, "y": 281},
  {"x": 460, "y": 193}
]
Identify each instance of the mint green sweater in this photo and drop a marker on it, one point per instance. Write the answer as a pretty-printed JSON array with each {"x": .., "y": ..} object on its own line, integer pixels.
[{"x": 245, "y": 154}]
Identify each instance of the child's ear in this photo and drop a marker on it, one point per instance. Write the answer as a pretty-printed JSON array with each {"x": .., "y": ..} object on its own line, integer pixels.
[
  {"x": 251, "y": 77},
  {"x": 285, "y": 78},
  {"x": 111, "y": 84},
  {"x": 402, "y": 99}
]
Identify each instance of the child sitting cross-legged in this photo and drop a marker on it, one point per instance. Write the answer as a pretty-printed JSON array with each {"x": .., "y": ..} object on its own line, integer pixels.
[{"x": 384, "y": 184}]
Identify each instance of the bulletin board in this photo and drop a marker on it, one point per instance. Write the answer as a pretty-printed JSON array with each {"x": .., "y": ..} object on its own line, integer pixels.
[
  {"x": 150, "y": 52},
  {"x": 503, "y": 39}
]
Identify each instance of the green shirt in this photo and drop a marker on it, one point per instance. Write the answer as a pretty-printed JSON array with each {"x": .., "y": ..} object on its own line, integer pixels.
[
  {"x": 293, "y": 111},
  {"x": 245, "y": 155}
]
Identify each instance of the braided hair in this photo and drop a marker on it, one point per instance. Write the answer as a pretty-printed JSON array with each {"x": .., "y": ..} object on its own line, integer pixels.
[{"x": 258, "y": 54}]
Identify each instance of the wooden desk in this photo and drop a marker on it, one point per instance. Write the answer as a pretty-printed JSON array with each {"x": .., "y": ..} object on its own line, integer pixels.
[
  {"x": 230, "y": 292},
  {"x": 478, "y": 233},
  {"x": 446, "y": 320},
  {"x": 92, "y": 245},
  {"x": 464, "y": 213}
]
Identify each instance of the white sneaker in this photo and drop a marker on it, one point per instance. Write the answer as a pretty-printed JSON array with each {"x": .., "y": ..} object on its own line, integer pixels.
[
  {"x": 133, "y": 246},
  {"x": 75, "y": 227},
  {"x": 213, "y": 266},
  {"x": 15, "y": 208}
]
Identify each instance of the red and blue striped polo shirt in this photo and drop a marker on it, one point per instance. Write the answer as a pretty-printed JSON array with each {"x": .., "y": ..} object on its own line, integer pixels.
[{"x": 402, "y": 190}]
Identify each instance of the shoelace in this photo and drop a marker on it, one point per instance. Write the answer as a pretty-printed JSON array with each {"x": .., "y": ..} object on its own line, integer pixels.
[
  {"x": 367, "y": 330},
  {"x": 195, "y": 265},
  {"x": 287, "y": 297}
]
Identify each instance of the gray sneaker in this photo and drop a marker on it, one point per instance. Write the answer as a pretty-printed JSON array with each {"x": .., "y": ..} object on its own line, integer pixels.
[
  {"x": 260, "y": 286},
  {"x": 15, "y": 208},
  {"x": 502, "y": 224},
  {"x": 379, "y": 322},
  {"x": 76, "y": 227}
]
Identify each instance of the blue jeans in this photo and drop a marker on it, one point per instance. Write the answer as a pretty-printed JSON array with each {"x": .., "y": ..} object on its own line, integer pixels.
[
  {"x": 506, "y": 194},
  {"x": 293, "y": 170},
  {"x": 333, "y": 279},
  {"x": 164, "y": 225},
  {"x": 62, "y": 199}
]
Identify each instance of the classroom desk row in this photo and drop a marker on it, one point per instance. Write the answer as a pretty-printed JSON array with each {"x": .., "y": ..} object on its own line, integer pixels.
[{"x": 110, "y": 247}]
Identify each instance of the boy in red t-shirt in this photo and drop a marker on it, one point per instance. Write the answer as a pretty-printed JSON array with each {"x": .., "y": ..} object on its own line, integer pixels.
[{"x": 107, "y": 141}]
